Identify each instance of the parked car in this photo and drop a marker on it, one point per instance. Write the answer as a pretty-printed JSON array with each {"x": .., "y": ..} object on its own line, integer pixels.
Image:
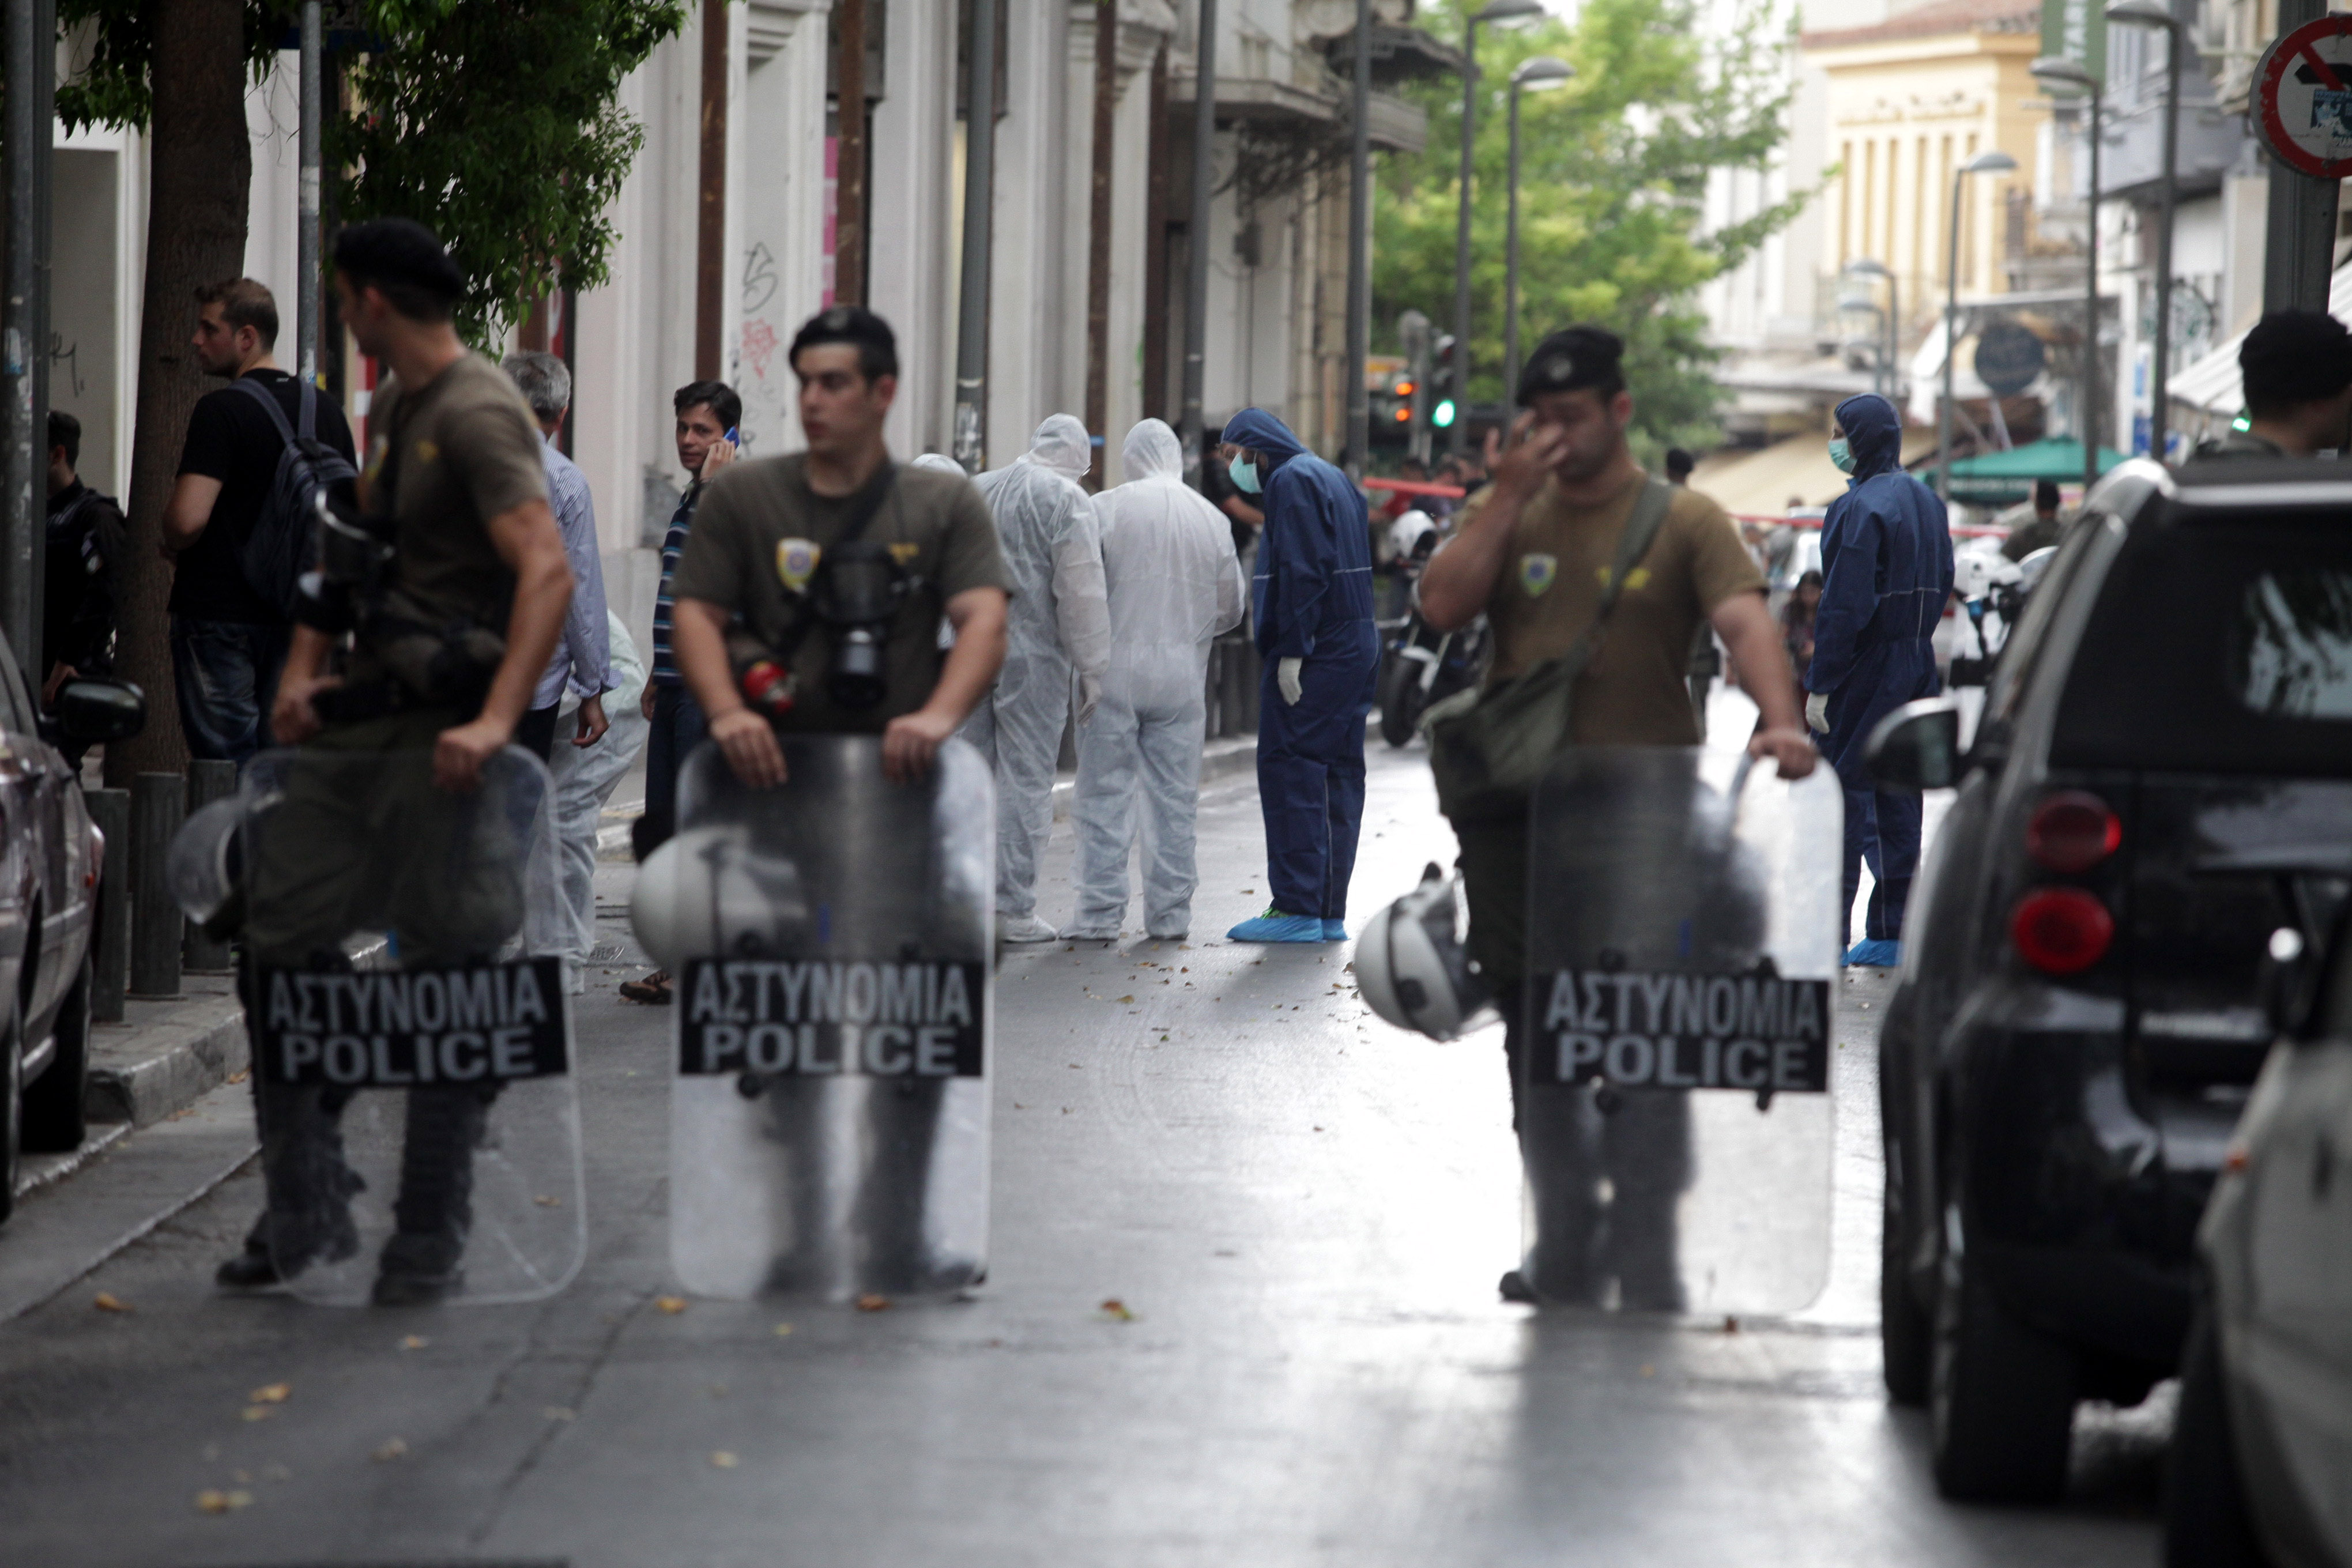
[
  {"x": 48, "y": 899},
  {"x": 2261, "y": 1445},
  {"x": 2074, "y": 1028}
]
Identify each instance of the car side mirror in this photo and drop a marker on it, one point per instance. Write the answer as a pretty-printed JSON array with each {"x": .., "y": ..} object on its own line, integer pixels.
[
  {"x": 1916, "y": 747},
  {"x": 93, "y": 709}
]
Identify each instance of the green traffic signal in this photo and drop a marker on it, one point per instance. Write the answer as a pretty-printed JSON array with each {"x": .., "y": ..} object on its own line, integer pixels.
[{"x": 1443, "y": 414}]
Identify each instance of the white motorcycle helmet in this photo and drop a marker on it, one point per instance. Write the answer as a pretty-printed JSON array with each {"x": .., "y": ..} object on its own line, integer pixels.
[
  {"x": 1411, "y": 966},
  {"x": 712, "y": 892},
  {"x": 1407, "y": 530}
]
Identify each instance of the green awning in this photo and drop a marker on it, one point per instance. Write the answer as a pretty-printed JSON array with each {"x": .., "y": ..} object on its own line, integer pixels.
[{"x": 2059, "y": 459}]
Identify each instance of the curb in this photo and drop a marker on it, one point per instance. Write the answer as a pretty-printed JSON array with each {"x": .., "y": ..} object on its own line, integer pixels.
[{"x": 146, "y": 1067}]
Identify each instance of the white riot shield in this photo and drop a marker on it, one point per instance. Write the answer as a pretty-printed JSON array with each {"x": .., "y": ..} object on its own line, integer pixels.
[
  {"x": 412, "y": 1062},
  {"x": 831, "y": 942},
  {"x": 1674, "y": 1115}
]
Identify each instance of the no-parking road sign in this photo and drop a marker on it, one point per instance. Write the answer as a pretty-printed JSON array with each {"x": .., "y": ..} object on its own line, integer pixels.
[{"x": 2303, "y": 98}]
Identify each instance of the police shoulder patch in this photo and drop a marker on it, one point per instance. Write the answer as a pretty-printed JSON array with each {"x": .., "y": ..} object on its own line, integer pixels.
[
  {"x": 1537, "y": 572},
  {"x": 796, "y": 562}
]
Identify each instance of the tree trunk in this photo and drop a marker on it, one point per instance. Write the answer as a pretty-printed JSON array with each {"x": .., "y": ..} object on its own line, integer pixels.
[{"x": 200, "y": 181}]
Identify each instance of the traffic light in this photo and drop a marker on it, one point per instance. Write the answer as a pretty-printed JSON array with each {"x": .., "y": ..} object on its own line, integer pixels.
[
  {"x": 1443, "y": 414},
  {"x": 1444, "y": 406}
]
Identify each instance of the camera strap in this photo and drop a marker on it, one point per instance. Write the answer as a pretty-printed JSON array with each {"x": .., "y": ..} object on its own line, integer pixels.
[{"x": 863, "y": 506}]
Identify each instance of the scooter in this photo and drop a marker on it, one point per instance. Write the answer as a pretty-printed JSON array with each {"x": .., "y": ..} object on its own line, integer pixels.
[{"x": 1420, "y": 665}]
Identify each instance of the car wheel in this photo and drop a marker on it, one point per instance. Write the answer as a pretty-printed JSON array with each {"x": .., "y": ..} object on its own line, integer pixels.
[
  {"x": 54, "y": 1123},
  {"x": 2003, "y": 1395},
  {"x": 1907, "y": 1334},
  {"x": 2205, "y": 1520}
]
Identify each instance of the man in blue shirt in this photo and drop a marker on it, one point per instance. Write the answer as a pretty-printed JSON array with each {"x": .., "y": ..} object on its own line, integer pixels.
[
  {"x": 1311, "y": 608},
  {"x": 582, "y": 658},
  {"x": 1886, "y": 568}
]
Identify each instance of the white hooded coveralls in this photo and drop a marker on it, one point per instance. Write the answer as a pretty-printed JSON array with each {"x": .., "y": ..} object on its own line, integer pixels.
[
  {"x": 1056, "y": 622},
  {"x": 1173, "y": 583}
]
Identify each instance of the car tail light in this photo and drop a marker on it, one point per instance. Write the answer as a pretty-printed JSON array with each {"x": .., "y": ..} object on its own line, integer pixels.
[
  {"x": 2062, "y": 930},
  {"x": 2072, "y": 831}
]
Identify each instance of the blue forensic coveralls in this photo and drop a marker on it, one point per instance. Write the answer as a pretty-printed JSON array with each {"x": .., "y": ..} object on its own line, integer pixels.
[
  {"x": 1310, "y": 599},
  {"x": 1886, "y": 575}
]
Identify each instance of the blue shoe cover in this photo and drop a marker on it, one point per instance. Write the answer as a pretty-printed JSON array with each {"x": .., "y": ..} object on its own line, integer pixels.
[
  {"x": 1275, "y": 926},
  {"x": 1877, "y": 953},
  {"x": 1335, "y": 931}
]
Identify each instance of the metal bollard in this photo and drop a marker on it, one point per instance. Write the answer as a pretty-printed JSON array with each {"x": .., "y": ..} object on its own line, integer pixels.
[
  {"x": 207, "y": 782},
  {"x": 111, "y": 946},
  {"x": 158, "y": 803}
]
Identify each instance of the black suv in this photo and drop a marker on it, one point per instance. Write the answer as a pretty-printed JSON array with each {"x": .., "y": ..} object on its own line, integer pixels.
[
  {"x": 2076, "y": 1022},
  {"x": 49, "y": 859}
]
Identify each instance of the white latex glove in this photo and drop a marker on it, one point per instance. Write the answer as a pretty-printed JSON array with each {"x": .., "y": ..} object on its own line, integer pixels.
[
  {"x": 1817, "y": 712},
  {"x": 1286, "y": 676},
  {"x": 1089, "y": 696}
]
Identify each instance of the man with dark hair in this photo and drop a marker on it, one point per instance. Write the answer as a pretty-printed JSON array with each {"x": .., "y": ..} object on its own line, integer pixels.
[
  {"x": 935, "y": 524},
  {"x": 1679, "y": 464},
  {"x": 2297, "y": 369},
  {"x": 1533, "y": 554},
  {"x": 708, "y": 416},
  {"x": 2043, "y": 532},
  {"x": 83, "y": 555},
  {"x": 228, "y": 642},
  {"x": 455, "y": 485}
]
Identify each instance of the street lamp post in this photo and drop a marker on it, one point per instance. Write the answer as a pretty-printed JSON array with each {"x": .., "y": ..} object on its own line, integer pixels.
[
  {"x": 2066, "y": 73},
  {"x": 1457, "y": 434},
  {"x": 2148, "y": 13},
  {"x": 1995, "y": 161},
  {"x": 1867, "y": 267},
  {"x": 1540, "y": 73}
]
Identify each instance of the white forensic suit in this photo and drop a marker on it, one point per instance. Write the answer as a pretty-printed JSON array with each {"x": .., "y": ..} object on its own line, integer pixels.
[
  {"x": 1173, "y": 583},
  {"x": 1057, "y": 625}
]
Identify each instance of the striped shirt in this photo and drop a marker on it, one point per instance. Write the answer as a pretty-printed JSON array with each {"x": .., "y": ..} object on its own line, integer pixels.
[{"x": 664, "y": 668}]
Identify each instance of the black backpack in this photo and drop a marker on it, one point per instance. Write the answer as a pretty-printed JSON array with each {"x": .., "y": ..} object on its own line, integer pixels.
[{"x": 284, "y": 537}]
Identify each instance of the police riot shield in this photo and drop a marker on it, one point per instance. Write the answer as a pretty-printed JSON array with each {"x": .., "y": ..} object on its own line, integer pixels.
[
  {"x": 831, "y": 942},
  {"x": 1674, "y": 1113},
  {"x": 420, "y": 1130}
]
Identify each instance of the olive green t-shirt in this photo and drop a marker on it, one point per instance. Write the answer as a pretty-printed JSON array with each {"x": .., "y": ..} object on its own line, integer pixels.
[
  {"x": 755, "y": 524},
  {"x": 468, "y": 450},
  {"x": 1635, "y": 692}
]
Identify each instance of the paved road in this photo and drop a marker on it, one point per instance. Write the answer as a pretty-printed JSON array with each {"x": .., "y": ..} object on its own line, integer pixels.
[{"x": 1304, "y": 1211}]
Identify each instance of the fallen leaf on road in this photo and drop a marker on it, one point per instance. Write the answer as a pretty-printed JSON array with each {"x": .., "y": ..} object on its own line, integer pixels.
[
  {"x": 870, "y": 1304},
  {"x": 106, "y": 1301},
  {"x": 390, "y": 1448},
  {"x": 270, "y": 1393},
  {"x": 672, "y": 1305},
  {"x": 258, "y": 1412},
  {"x": 414, "y": 1343},
  {"x": 783, "y": 1329},
  {"x": 723, "y": 1460},
  {"x": 236, "y": 1078},
  {"x": 545, "y": 1202},
  {"x": 214, "y": 1501},
  {"x": 1127, "y": 998},
  {"x": 1115, "y": 1308}
]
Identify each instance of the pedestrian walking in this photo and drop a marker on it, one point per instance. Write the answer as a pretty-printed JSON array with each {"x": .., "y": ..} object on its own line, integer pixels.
[
  {"x": 228, "y": 640},
  {"x": 83, "y": 560},
  {"x": 582, "y": 665},
  {"x": 709, "y": 414},
  {"x": 2042, "y": 531},
  {"x": 456, "y": 477},
  {"x": 2295, "y": 371},
  {"x": 1572, "y": 537},
  {"x": 1886, "y": 575},
  {"x": 1173, "y": 584},
  {"x": 1058, "y": 628},
  {"x": 585, "y": 778},
  {"x": 1311, "y": 605},
  {"x": 935, "y": 525}
]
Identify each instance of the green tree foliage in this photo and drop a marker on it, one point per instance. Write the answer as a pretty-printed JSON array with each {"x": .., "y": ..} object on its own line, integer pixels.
[
  {"x": 493, "y": 124},
  {"x": 1613, "y": 167}
]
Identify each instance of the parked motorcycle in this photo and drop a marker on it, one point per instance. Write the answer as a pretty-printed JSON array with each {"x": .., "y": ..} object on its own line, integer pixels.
[{"x": 1420, "y": 665}]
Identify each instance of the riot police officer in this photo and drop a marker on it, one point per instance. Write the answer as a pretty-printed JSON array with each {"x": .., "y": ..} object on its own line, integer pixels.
[{"x": 419, "y": 670}]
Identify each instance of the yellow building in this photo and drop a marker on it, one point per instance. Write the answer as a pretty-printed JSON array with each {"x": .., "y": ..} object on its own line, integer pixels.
[{"x": 1909, "y": 101}]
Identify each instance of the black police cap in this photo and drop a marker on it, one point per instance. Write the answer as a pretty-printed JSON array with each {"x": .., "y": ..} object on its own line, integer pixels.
[
  {"x": 1570, "y": 360},
  {"x": 398, "y": 252}
]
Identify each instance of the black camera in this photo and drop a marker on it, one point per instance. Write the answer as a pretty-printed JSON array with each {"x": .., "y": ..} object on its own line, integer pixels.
[
  {"x": 856, "y": 593},
  {"x": 352, "y": 553}
]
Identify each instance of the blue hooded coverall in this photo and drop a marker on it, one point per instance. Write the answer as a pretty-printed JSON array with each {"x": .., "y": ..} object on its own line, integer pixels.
[
  {"x": 1311, "y": 599},
  {"x": 1886, "y": 575}
]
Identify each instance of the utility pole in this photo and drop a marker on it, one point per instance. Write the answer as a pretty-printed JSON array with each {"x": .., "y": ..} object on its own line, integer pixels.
[
  {"x": 1196, "y": 240},
  {"x": 2301, "y": 237},
  {"x": 979, "y": 202},
  {"x": 849, "y": 156},
  {"x": 1360, "y": 217},
  {"x": 306, "y": 240},
  {"x": 1098, "y": 242},
  {"x": 30, "y": 67}
]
